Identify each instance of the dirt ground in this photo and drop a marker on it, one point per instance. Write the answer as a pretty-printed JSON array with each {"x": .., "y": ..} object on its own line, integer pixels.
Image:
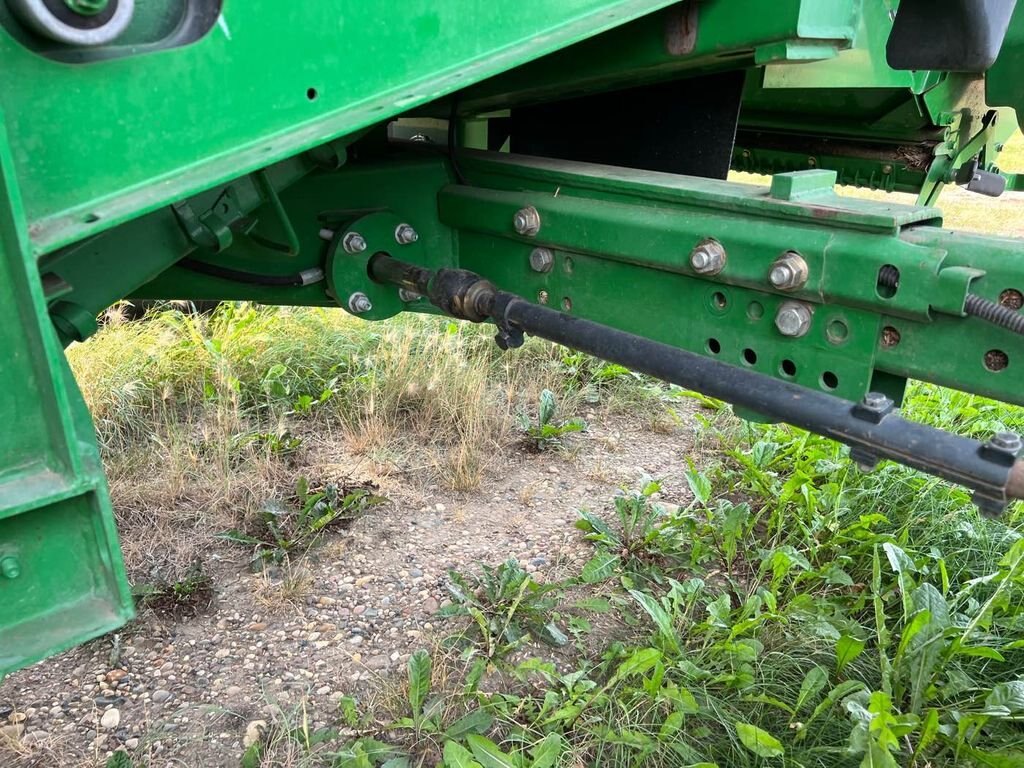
[{"x": 291, "y": 642}]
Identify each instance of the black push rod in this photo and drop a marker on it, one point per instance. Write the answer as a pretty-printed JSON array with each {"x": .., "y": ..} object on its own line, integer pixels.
[{"x": 871, "y": 428}]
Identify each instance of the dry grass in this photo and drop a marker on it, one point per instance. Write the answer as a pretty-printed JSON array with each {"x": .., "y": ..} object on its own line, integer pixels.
[{"x": 203, "y": 419}]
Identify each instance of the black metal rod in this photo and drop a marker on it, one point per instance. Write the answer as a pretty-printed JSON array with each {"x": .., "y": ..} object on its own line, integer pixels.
[{"x": 880, "y": 435}]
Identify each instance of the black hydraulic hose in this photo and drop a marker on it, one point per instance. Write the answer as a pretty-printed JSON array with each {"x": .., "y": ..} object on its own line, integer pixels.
[
  {"x": 974, "y": 305},
  {"x": 871, "y": 427},
  {"x": 306, "y": 277}
]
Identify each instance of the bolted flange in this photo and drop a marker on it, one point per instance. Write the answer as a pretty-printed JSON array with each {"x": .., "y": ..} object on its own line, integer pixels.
[
  {"x": 708, "y": 258},
  {"x": 788, "y": 272},
  {"x": 527, "y": 221},
  {"x": 793, "y": 319}
]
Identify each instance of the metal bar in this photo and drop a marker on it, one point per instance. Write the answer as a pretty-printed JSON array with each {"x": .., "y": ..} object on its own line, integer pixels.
[{"x": 871, "y": 428}]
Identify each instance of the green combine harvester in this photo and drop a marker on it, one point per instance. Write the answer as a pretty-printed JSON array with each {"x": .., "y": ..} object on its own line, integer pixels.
[{"x": 554, "y": 167}]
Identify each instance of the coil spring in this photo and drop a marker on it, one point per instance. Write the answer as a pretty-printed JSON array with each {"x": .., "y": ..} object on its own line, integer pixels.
[
  {"x": 986, "y": 310},
  {"x": 889, "y": 276},
  {"x": 994, "y": 313}
]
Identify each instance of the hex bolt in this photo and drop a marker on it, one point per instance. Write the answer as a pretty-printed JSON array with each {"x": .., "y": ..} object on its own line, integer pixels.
[
  {"x": 406, "y": 295},
  {"x": 541, "y": 260},
  {"x": 793, "y": 319},
  {"x": 10, "y": 567},
  {"x": 788, "y": 272},
  {"x": 405, "y": 234},
  {"x": 353, "y": 242},
  {"x": 527, "y": 221},
  {"x": 708, "y": 258},
  {"x": 1006, "y": 441},
  {"x": 358, "y": 303},
  {"x": 326, "y": 234},
  {"x": 876, "y": 401}
]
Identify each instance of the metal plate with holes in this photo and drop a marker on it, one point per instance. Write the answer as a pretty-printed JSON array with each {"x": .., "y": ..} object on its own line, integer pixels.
[{"x": 350, "y": 252}]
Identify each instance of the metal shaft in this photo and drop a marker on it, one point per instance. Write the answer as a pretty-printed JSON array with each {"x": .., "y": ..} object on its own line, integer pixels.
[{"x": 878, "y": 434}]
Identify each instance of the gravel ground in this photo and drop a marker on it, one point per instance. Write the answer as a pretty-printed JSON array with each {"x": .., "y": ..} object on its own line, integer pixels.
[{"x": 195, "y": 691}]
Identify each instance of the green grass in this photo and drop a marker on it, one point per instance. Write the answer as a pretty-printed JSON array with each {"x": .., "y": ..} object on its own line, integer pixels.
[{"x": 796, "y": 613}]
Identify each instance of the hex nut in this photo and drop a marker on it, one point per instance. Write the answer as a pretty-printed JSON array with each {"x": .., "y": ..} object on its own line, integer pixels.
[
  {"x": 1006, "y": 441},
  {"x": 358, "y": 303},
  {"x": 788, "y": 272},
  {"x": 876, "y": 401},
  {"x": 793, "y": 319},
  {"x": 527, "y": 221},
  {"x": 541, "y": 259},
  {"x": 353, "y": 242},
  {"x": 708, "y": 257},
  {"x": 405, "y": 234}
]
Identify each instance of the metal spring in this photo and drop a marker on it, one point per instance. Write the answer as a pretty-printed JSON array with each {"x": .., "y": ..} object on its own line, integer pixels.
[
  {"x": 994, "y": 313},
  {"x": 990, "y": 311},
  {"x": 889, "y": 276}
]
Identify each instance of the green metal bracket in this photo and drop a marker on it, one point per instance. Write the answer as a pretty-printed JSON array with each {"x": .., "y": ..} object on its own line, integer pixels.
[{"x": 62, "y": 581}]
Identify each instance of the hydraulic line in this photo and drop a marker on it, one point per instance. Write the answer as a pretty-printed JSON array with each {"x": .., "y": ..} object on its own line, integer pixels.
[
  {"x": 871, "y": 428},
  {"x": 305, "y": 277}
]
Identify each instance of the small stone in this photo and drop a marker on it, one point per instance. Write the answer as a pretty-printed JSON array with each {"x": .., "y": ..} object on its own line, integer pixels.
[
  {"x": 430, "y": 605},
  {"x": 222, "y": 653},
  {"x": 439, "y": 507},
  {"x": 363, "y": 581},
  {"x": 17, "y": 717},
  {"x": 111, "y": 719},
  {"x": 356, "y": 640},
  {"x": 257, "y": 626},
  {"x": 377, "y": 662},
  {"x": 324, "y": 690},
  {"x": 232, "y": 690},
  {"x": 254, "y": 732},
  {"x": 12, "y": 732},
  {"x": 160, "y": 696},
  {"x": 34, "y": 738},
  {"x": 131, "y": 744}
]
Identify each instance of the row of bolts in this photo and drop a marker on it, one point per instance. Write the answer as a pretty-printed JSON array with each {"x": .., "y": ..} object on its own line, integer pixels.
[{"x": 788, "y": 272}]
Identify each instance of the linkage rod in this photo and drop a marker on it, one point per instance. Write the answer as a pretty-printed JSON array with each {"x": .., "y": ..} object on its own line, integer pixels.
[{"x": 871, "y": 428}]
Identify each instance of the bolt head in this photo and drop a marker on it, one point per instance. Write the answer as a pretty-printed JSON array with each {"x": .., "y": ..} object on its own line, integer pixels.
[
  {"x": 781, "y": 275},
  {"x": 527, "y": 221},
  {"x": 405, "y": 234},
  {"x": 1007, "y": 441},
  {"x": 353, "y": 242},
  {"x": 358, "y": 303},
  {"x": 876, "y": 401},
  {"x": 10, "y": 567},
  {"x": 541, "y": 259},
  {"x": 793, "y": 319},
  {"x": 708, "y": 258}
]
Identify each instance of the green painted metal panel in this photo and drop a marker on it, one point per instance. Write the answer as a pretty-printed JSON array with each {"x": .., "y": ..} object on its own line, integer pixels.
[
  {"x": 95, "y": 144},
  {"x": 61, "y": 577}
]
